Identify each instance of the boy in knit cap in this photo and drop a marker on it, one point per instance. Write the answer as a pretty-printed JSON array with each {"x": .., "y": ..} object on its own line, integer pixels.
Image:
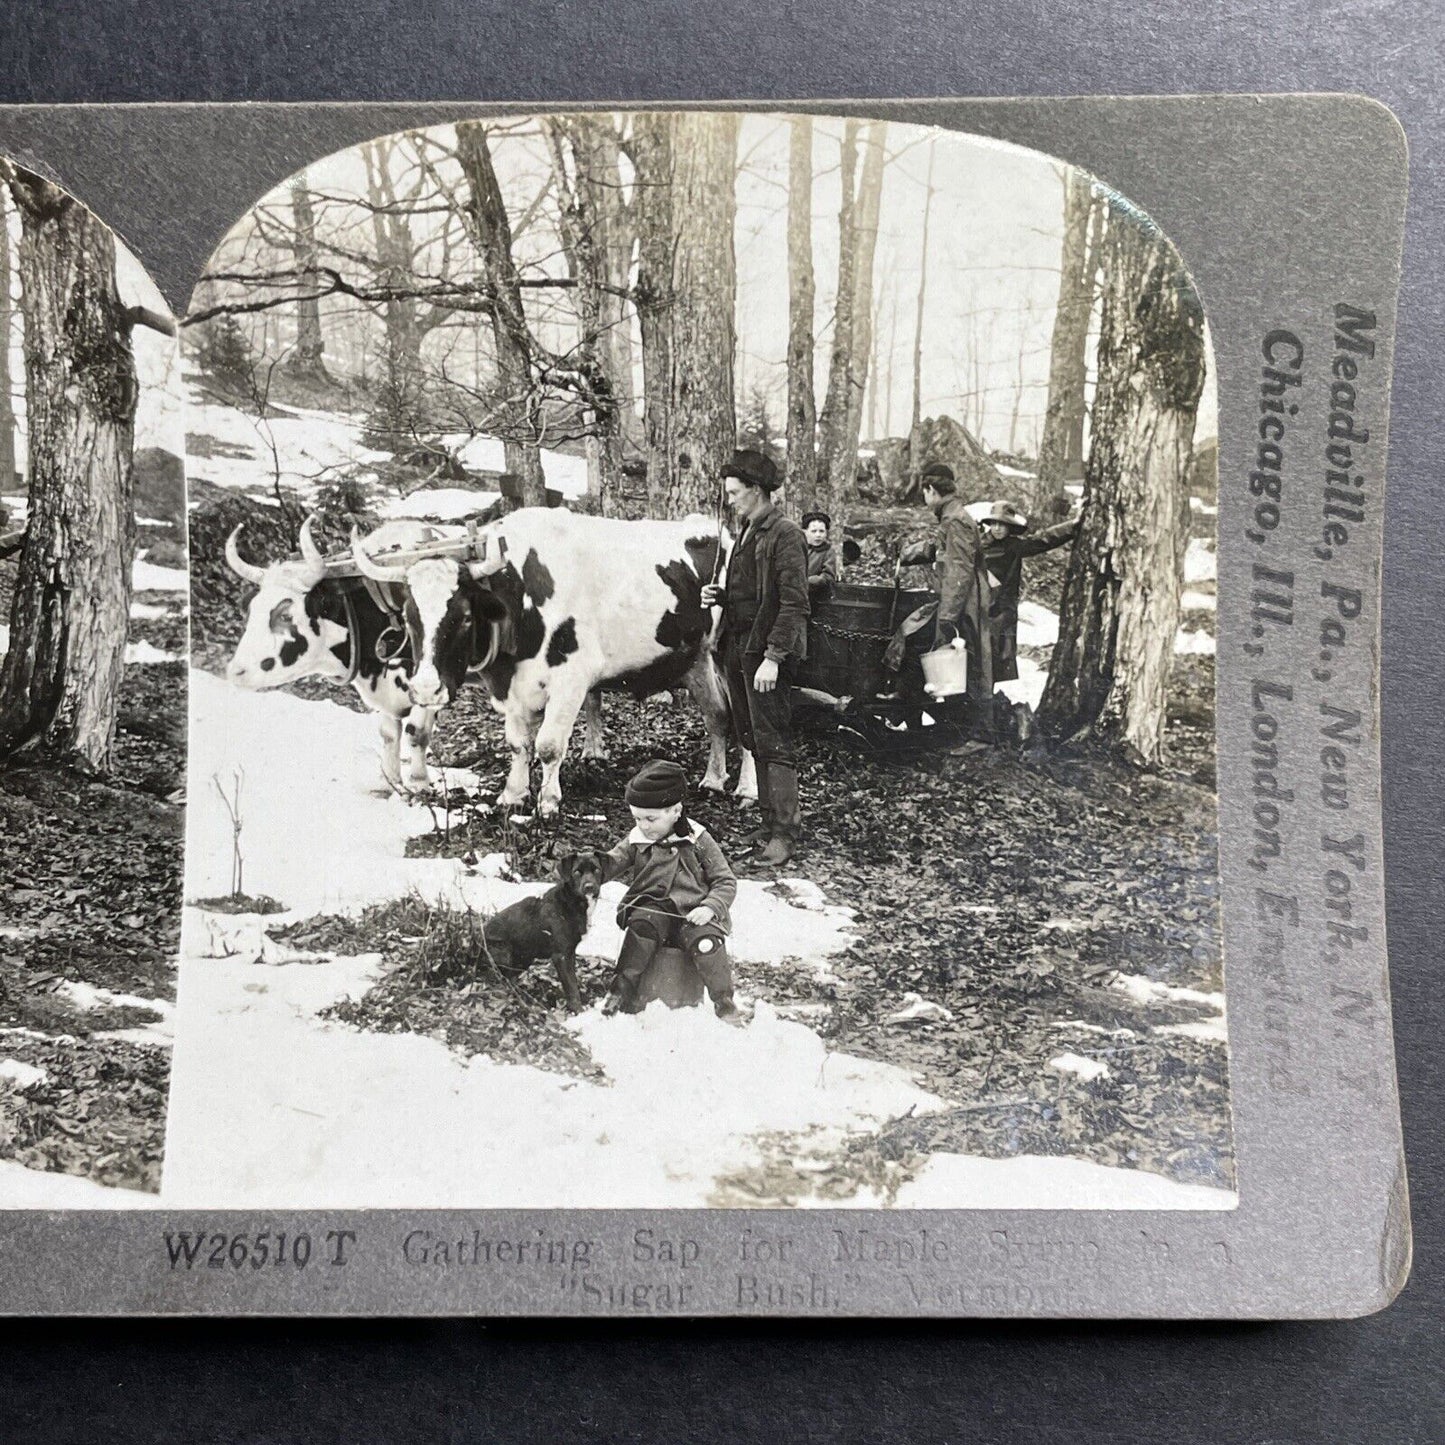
[{"x": 680, "y": 890}]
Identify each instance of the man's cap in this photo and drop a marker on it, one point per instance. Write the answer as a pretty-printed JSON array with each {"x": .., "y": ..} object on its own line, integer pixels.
[
  {"x": 810, "y": 517},
  {"x": 658, "y": 784},
  {"x": 937, "y": 472},
  {"x": 753, "y": 468}
]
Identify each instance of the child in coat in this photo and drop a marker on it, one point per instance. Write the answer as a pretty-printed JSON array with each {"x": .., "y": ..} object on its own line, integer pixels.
[{"x": 680, "y": 891}]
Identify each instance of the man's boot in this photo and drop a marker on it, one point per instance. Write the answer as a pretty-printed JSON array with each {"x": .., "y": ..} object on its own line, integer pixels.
[{"x": 780, "y": 848}]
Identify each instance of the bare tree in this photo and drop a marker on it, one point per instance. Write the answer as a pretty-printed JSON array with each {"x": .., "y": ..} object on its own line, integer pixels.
[
  {"x": 520, "y": 404},
  {"x": 842, "y": 415},
  {"x": 1109, "y": 672},
  {"x": 1068, "y": 361},
  {"x": 802, "y": 427},
  {"x": 915, "y": 452},
  {"x": 686, "y": 301},
  {"x": 308, "y": 362},
  {"x": 7, "y": 381},
  {"x": 60, "y": 680}
]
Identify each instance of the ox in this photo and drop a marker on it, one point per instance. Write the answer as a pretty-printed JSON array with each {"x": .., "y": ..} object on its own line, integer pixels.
[
  {"x": 561, "y": 604},
  {"x": 302, "y": 622}
]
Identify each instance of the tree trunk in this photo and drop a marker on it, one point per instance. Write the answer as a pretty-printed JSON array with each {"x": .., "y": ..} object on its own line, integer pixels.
[
  {"x": 853, "y": 321},
  {"x": 686, "y": 299},
  {"x": 519, "y": 402},
  {"x": 915, "y": 452},
  {"x": 584, "y": 241},
  {"x": 60, "y": 681},
  {"x": 652, "y": 296},
  {"x": 1110, "y": 668},
  {"x": 308, "y": 362},
  {"x": 7, "y": 336},
  {"x": 802, "y": 426},
  {"x": 1068, "y": 361}
]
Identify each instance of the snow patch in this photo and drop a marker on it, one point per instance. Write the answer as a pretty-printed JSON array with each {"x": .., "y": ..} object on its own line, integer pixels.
[
  {"x": 1087, "y": 1069},
  {"x": 22, "y": 1188},
  {"x": 147, "y": 577},
  {"x": 1209, "y": 1031},
  {"x": 445, "y": 504},
  {"x": 1028, "y": 686},
  {"x": 958, "y": 1181},
  {"x": 1146, "y": 991},
  {"x": 149, "y": 612},
  {"x": 1193, "y": 644},
  {"x": 1038, "y": 625},
  {"x": 142, "y": 652},
  {"x": 20, "y": 1075},
  {"x": 1201, "y": 562},
  {"x": 1195, "y": 601}
]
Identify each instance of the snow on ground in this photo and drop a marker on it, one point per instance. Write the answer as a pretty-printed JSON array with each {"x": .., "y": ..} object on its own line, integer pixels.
[
  {"x": 272, "y": 1106},
  {"x": 1196, "y": 601},
  {"x": 1038, "y": 625},
  {"x": 1086, "y": 1069},
  {"x": 311, "y": 448},
  {"x": 1205, "y": 509},
  {"x": 147, "y": 577},
  {"x": 148, "y": 612},
  {"x": 1193, "y": 644},
  {"x": 1201, "y": 562},
  {"x": 22, "y": 1188},
  {"x": 1028, "y": 686},
  {"x": 1007, "y": 471},
  {"x": 395, "y": 1120},
  {"x": 444, "y": 504},
  {"x": 143, "y": 652},
  {"x": 958, "y": 1181},
  {"x": 1146, "y": 991},
  {"x": 18, "y": 1075}
]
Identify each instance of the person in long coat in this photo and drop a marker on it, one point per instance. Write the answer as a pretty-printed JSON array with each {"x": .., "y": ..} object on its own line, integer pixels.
[
  {"x": 765, "y": 610},
  {"x": 963, "y": 589},
  {"x": 1006, "y": 542}
]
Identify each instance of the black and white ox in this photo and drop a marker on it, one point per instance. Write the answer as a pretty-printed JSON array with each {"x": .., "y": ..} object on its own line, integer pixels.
[
  {"x": 304, "y": 623},
  {"x": 563, "y": 604}
]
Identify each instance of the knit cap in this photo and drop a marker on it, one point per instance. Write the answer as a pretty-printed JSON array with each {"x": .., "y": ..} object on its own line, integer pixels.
[{"x": 659, "y": 784}]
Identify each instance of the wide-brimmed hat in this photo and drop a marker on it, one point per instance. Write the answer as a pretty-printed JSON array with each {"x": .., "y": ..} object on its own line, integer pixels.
[
  {"x": 1006, "y": 513},
  {"x": 753, "y": 468}
]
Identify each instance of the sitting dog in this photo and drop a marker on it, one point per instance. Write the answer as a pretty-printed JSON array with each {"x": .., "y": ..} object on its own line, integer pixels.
[{"x": 549, "y": 925}]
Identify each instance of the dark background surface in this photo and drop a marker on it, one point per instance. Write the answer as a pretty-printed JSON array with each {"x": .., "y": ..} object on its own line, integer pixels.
[{"x": 1376, "y": 1380}]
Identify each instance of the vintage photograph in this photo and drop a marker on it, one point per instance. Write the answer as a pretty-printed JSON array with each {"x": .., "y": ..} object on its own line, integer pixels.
[
  {"x": 93, "y": 598},
  {"x": 701, "y": 681}
]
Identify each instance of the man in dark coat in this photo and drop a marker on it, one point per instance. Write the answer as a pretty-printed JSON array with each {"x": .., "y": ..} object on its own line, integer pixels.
[
  {"x": 1007, "y": 542},
  {"x": 764, "y": 638},
  {"x": 963, "y": 590}
]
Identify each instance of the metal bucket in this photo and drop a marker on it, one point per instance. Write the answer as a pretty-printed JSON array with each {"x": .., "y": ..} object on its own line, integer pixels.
[{"x": 945, "y": 671}]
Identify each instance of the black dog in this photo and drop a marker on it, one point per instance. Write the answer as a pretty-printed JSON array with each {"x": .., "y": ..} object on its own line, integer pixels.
[{"x": 549, "y": 926}]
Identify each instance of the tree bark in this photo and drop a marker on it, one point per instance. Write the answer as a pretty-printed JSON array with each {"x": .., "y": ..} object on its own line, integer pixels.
[
  {"x": 842, "y": 416},
  {"x": 308, "y": 362},
  {"x": 60, "y": 681},
  {"x": 519, "y": 401},
  {"x": 686, "y": 298},
  {"x": 915, "y": 452},
  {"x": 802, "y": 425},
  {"x": 1109, "y": 673},
  {"x": 1068, "y": 360},
  {"x": 7, "y": 381},
  {"x": 652, "y": 295}
]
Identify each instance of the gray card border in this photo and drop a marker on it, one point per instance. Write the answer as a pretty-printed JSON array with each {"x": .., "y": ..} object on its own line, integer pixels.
[{"x": 1282, "y": 206}]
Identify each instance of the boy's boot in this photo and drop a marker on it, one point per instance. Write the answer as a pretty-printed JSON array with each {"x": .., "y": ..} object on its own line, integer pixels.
[
  {"x": 708, "y": 950},
  {"x": 633, "y": 959}
]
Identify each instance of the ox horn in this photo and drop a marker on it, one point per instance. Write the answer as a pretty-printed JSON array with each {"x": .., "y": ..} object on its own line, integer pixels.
[
  {"x": 377, "y": 571},
  {"x": 247, "y": 571},
  {"x": 311, "y": 554}
]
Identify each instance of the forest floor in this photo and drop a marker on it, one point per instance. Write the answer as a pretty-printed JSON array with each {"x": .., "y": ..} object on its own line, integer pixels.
[
  {"x": 1062, "y": 914},
  {"x": 90, "y": 895}
]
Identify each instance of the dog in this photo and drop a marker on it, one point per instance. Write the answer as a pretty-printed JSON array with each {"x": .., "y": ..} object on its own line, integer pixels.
[{"x": 549, "y": 925}]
